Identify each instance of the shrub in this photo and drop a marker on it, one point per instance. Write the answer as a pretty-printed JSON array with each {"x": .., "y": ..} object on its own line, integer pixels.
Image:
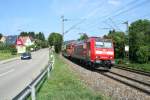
[{"x": 143, "y": 54}]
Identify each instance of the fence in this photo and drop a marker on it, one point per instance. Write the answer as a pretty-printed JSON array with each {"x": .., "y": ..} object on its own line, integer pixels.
[{"x": 31, "y": 88}]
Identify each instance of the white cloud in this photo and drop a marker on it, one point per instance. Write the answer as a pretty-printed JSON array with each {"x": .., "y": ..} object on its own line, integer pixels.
[{"x": 114, "y": 2}]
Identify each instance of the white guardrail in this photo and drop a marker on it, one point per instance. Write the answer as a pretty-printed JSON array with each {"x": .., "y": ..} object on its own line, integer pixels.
[{"x": 30, "y": 90}]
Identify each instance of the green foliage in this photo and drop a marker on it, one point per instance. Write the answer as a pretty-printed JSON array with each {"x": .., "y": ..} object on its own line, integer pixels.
[
  {"x": 1, "y": 35},
  {"x": 40, "y": 36},
  {"x": 44, "y": 44},
  {"x": 24, "y": 34},
  {"x": 144, "y": 67},
  {"x": 143, "y": 54},
  {"x": 55, "y": 39},
  {"x": 119, "y": 43},
  {"x": 65, "y": 85},
  {"x": 139, "y": 36},
  {"x": 8, "y": 48},
  {"x": 40, "y": 41},
  {"x": 41, "y": 44},
  {"x": 84, "y": 36},
  {"x": 13, "y": 51},
  {"x": 5, "y": 47},
  {"x": 29, "y": 48},
  {"x": 32, "y": 34},
  {"x": 7, "y": 51}
]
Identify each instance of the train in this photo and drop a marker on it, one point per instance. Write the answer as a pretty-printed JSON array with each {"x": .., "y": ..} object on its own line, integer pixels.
[{"x": 96, "y": 52}]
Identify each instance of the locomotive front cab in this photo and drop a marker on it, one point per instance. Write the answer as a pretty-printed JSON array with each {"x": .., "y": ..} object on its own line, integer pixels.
[{"x": 104, "y": 53}]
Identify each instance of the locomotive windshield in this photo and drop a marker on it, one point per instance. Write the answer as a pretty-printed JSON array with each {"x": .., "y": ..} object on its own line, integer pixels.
[{"x": 103, "y": 45}]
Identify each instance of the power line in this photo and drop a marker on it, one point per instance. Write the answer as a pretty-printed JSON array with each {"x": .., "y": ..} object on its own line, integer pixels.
[
  {"x": 131, "y": 8},
  {"x": 119, "y": 9},
  {"x": 83, "y": 20},
  {"x": 126, "y": 10},
  {"x": 114, "y": 24},
  {"x": 140, "y": 17},
  {"x": 74, "y": 26}
]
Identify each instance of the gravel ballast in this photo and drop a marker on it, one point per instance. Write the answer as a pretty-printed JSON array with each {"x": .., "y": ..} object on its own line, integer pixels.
[{"x": 106, "y": 86}]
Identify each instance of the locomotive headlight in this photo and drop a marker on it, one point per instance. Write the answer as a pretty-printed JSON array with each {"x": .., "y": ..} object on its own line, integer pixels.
[
  {"x": 110, "y": 53},
  {"x": 98, "y": 52}
]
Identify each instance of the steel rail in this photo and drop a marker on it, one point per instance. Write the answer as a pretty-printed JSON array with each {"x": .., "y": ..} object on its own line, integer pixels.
[
  {"x": 135, "y": 80},
  {"x": 133, "y": 70},
  {"x": 126, "y": 83}
]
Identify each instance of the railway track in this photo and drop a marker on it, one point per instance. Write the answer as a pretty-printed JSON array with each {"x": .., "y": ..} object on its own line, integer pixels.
[
  {"x": 133, "y": 70},
  {"x": 134, "y": 83},
  {"x": 127, "y": 80},
  {"x": 136, "y": 88}
]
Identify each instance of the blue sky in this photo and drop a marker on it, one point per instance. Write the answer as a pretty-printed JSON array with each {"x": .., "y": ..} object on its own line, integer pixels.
[{"x": 94, "y": 15}]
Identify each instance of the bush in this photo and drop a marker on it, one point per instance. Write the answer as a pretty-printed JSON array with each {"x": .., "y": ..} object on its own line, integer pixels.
[
  {"x": 143, "y": 54},
  {"x": 13, "y": 51}
]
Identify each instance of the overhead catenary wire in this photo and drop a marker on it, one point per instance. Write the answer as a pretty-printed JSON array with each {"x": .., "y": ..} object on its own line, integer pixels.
[
  {"x": 106, "y": 16},
  {"x": 84, "y": 19},
  {"x": 120, "y": 11},
  {"x": 115, "y": 24},
  {"x": 131, "y": 5}
]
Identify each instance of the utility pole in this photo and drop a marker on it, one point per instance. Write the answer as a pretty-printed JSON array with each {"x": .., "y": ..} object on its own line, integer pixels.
[
  {"x": 63, "y": 22},
  {"x": 127, "y": 34},
  {"x": 127, "y": 27}
]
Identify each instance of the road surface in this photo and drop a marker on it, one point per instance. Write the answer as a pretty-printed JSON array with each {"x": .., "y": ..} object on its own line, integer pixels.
[{"x": 17, "y": 74}]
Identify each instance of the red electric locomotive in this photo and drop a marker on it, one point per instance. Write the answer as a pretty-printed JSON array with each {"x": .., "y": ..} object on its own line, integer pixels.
[
  {"x": 68, "y": 49},
  {"x": 95, "y": 51}
]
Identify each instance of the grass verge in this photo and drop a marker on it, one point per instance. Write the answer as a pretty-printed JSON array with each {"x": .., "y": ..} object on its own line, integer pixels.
[
  {"x": 143, "y": 67},
  {"x": 65, "y": 85},
  {"x": 6, "y": 55}
]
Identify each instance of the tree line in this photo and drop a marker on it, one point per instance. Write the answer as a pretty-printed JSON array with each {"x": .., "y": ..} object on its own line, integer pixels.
[
  {"x": 138, "y": 39},
  {"x": 39, "y": 38}
]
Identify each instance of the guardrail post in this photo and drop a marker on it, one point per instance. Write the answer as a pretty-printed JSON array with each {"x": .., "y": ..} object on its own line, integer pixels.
[
  {"x": 53, "y": 60},
  {"x": 48, "y": 71},
  {"x": 33, "y": 93}
]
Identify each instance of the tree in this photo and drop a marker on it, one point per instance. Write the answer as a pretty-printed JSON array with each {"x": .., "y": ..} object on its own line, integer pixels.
[
  {"x": 24, "y": 34},
  {"x": 83, "y": 36},
  {"x": 40, "y": 36},
  {"x": 143, "y": 54},
  {"x": 1, "y": 35},
  {"x": 55, "y": 39},
  {"x": 139, "y": 36},
  {"x": 119, "y": 43},
  {"x": 32, "y": 34}
]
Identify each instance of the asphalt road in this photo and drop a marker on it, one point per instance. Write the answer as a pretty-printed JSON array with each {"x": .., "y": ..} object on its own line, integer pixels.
[{"x": 17, "y": 74}]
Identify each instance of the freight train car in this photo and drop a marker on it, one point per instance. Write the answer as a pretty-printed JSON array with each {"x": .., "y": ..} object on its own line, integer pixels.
[{"x": 95, "y": 52}]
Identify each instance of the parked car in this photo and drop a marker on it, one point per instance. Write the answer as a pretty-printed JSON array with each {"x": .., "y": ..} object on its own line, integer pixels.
[{"x": 26, "y": 55}]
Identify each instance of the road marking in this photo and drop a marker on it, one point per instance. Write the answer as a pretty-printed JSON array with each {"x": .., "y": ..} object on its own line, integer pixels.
[
  {"x": 5, "y": 73},
  {"x": 3, "y": 68}
]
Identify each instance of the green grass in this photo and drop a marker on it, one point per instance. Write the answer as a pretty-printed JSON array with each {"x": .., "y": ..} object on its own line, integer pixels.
[
  {"x": 6, "y": 55},
  {"x": 144, "y": 67},
  {"x": 65, "y": 85}
]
